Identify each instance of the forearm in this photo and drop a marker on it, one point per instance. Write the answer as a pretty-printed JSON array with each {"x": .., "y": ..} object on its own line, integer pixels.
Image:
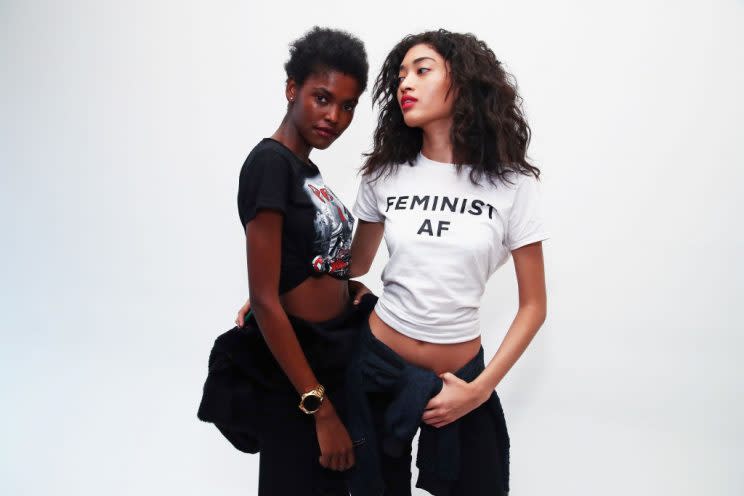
[
  {"x": 356, "y": 271},
  {"x": 283, "y": 344},
  {"x": 528, "y": 320}
]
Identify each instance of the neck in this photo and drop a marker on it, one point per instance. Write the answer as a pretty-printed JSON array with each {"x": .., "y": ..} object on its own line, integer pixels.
[
  {"x": 288, "y": 135},
  {"x": 437, "y": 141}
]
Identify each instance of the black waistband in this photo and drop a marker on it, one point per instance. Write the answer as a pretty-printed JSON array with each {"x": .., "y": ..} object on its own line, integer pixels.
[{"x": 467, "y": 372}]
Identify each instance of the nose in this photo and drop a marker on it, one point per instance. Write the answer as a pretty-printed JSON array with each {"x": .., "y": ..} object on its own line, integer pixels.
[{"x": 332, "y": 114}]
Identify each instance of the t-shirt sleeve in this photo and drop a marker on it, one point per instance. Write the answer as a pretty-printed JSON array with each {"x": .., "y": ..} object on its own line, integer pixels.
[
  {"x": 526, "y": 220},
  {"x": 265, "y": 182},
  {"x": 366, "y": 206}
]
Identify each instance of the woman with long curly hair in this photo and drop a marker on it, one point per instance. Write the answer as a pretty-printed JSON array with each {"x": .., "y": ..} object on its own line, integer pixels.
[{"x": 449, "y": 185}]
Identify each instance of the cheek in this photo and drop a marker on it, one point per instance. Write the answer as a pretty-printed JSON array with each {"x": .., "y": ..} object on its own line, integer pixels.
[
  {"x": 442, "y": 103},
  {"x": 441, "y": 93},
  {"x": 346, "y": 119},
  {"x": 304, "y": 112}
]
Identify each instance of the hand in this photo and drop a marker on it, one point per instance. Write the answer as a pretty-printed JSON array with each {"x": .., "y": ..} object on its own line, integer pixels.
[
  {"x": 356, "y": 290},
  {"x": 336, "y": 450},
  {"x": 240, "y": 319},
  {"x": 456, "y": 399}
]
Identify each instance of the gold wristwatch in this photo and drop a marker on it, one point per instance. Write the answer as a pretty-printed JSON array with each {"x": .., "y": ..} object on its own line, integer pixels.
[{"x": 310, "y": 402}]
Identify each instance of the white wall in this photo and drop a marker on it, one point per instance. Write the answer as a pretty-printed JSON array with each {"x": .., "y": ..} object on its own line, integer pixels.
[{"x": 124, "y": 125}]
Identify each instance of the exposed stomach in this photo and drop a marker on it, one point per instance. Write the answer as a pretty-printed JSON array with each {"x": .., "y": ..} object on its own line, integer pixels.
[
  {"x": 437, "y": 357},
  {"x": 317, "y": 299}
]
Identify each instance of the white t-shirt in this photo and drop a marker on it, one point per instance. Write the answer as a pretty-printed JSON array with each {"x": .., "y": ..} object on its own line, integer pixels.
[{"x": 445, "y": 237}]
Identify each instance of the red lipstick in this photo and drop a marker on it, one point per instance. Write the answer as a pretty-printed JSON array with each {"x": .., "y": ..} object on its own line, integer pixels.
[{"x": 407, "y": 102}]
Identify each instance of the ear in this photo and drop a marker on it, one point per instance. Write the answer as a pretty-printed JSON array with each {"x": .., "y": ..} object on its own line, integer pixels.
[{"x": 290, "y": 90}]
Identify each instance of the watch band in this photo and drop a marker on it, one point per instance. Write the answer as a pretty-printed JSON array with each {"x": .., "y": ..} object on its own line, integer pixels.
[{"x": 311, "y": 401}]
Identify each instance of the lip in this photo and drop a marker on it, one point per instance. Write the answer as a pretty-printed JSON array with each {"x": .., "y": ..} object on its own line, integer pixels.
[
  {"x": 325, "y": 132},
  {"x": 407, "y": 102}
]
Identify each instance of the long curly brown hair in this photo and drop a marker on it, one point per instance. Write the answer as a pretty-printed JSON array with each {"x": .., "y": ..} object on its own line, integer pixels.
[{"x": 489, "y": 130}]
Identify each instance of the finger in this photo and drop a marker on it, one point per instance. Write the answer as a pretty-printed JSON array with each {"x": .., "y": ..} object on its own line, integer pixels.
[
  {"x": 431, "y": 414},
  {"x": 434, "y": 420},
  {"x": 331, "y": 462},
  {"x": 450, "y": 377},
  {"x": 433, "y": 404},
  {"x": 359, "y": 295},
  {"x": 351, "y": 458},
  {"x": 346, "y": 460},
  {"x": 324, "y": 461}
]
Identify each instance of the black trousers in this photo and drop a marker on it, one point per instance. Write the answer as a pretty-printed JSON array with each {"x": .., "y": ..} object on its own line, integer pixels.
[
  {"x": 289, "y": 453},
  {"x": 253, "y": 403},
  {"x": 479, "y": 454}
]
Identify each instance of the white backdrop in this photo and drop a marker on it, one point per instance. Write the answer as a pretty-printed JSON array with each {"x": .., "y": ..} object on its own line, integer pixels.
[{"x": 124, "y": 125}]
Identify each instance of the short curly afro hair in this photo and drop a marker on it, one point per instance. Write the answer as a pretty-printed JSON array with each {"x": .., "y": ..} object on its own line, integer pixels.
[{"x": 322, "y": 49}]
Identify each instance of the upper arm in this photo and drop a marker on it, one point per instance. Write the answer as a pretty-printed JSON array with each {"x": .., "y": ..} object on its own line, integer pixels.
[
  {"x": 265, "y": 183},
  {"x": 263, "y": 249},
  {"x": 366, "y": 206},
  {"x": 263, "y": 197},
  {"x": 526, "y": 221},
  {"x": 530, "y": 270},
  {"x": 367, "y": 238}
]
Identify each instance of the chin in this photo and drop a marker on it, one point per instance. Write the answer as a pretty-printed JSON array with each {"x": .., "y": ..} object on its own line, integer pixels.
[
  {"x": 317, "y": 142},
  {"x": 322, "y": 145},
  {"x": 412, "y": 121}
]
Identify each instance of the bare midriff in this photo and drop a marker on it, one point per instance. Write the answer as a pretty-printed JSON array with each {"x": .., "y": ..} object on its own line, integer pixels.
[
  {"x": 317, "y": 299},
  {"x": 433, "y": 356}
]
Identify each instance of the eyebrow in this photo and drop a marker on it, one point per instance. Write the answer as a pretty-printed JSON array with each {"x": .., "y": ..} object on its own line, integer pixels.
[
  {"x": 321, "y": 89},
  {"x": 416, "y": 61}
]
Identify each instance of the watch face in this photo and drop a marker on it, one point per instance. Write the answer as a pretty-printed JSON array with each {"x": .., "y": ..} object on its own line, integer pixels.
[{"x": 311, "y": 403}]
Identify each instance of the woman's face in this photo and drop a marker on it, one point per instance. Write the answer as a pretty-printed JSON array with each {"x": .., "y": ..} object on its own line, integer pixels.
[
  {"x": 322, "y": 108},
  {"x": 424, "y": 91}
]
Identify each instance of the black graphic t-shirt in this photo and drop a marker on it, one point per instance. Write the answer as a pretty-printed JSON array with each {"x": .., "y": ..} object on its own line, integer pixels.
[{"x": 316, "y": 236}]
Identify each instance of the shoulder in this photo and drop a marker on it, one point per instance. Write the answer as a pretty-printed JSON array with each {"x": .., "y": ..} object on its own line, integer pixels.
[
  {"x": 387, "y": 175},
  {"x": 514, "y": 182},
  {"x": 268, "y": 151},
  {"x": 267, "y": 157}
]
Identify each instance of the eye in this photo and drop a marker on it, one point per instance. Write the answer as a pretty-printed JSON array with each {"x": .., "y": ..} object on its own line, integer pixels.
[
  {"x": 400, "y": 79},
  {"x": 422, "y": 70},
  {"x": 349, "y": 107},
  {"x": 321, "y": 99}
]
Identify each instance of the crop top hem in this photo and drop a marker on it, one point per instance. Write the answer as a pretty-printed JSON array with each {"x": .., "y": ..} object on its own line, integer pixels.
[
  {"x": 310, "y": 273},
  {"x": 389, "y": 318}
]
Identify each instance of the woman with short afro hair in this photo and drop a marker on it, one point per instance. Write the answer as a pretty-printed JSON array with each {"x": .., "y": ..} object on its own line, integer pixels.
[{"x": 275, "y": 384}]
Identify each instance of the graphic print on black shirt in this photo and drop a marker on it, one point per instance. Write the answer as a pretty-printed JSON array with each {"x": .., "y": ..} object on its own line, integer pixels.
[
  {"x": 317, "y": 227},
  {"x": 333, "y": 226}
]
